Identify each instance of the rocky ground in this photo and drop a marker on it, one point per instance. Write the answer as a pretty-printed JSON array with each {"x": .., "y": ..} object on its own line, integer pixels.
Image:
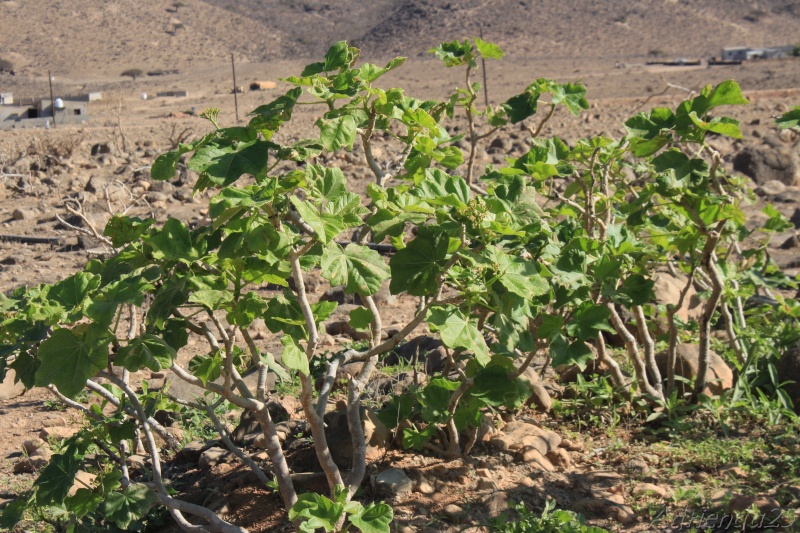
[{"x": 616, "y": 470}]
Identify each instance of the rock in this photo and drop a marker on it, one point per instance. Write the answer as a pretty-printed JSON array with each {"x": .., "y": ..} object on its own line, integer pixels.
[
  {"x": 454, "y": 513},
  {"x": 24, "y": 214},
  {"x": 636, "y": 466},
  {"x": 606, "y": 507},
  {"x": 771, "y": 188},
  {"x": 560, "y": 458},
  {"x": 667, "y": 290},
  {"x": 496, "y": 503},
  {"x": 700, "y": 477},
  {"x": 788, "y": 368},
  {"x": 217, "y": 502},
  {"x": 418, "y": 347},
  {"x": 763, "y": 163},
  {"x": 487, "y": 484},
  {"x": 647, "y": 489},
  {"x": 212, "y": 457},
  {"x": 795, "y": 218},
  {"x": 719, "y": 377},
  {"x": 29, "y": 465},
  {"x": 9, "y": 389},
  {"x": 791, "y": 195},
  {"x": 733, "y": 471},
  {"x": 768, "y": 505},
  {"x": 82, "y": 480},
  {"x": 42, "y": 453},
  {"x": 191, "y": 452},
  {"x": 57, "y": 432},
  {"x": 394, "y": 483},
  {"x": 536, "y": 459},
  {"x": 31, "y": 445},
  {"x": 423, "y": 487},
  {"x": 519, "y": 435},
  {"x": 102, "y": 148},
  {"x": 790, "y": 244},
  {"x": 337, "y": 433},
  {"x": 95, "y": 184}
]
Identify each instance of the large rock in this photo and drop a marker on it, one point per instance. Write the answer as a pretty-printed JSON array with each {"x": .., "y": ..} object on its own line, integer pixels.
[
  {"x": 769, "y": 161},
  {"x": 9, "y": 389},
  {"x": 667, "y": 290},
  {"x": 337, "y": 433},
  {"x": 394, "y": 482},
  {"x": 788, "y": 368},
  {"x": 719, "y": 377}
]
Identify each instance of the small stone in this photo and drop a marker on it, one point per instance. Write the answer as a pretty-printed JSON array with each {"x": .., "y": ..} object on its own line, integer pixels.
[
  {"x": 191, "y": 452},
  {"x": 31, "y": 445},
  {"x": 42, "y": 453},
  {"x": 83, "y": 479},
  {"x": 487, "y": 484},
  {"x": 535, "y": 458},
  {"x": 57, "y": 432},
  {"x": 560, "y": 458},
  {"x": 636, "y": 466},
  {"x": 572, "y": 446},
  {"x": 212, "y": 457},
  {"x": 454, "y": 513},
  {"x": 700, "y": 477},
  {"x": 423, "y": 487},
  {"x": 218, "y": 503},
  {"x": 766, "y": 504},
  {"x": 733, "y": 471},
  {"x": 647, "y": 489},
  {"x": 496, "y": 503},
  {"x": 483, "y": 472},
  {"x": 771, "y": 188},
  {"x": 394, "y": 482},
  {"x": 29, "y": 465}
]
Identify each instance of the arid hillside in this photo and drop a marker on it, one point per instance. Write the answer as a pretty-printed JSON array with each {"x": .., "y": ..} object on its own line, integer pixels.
[{"x": 98, "y": 37}]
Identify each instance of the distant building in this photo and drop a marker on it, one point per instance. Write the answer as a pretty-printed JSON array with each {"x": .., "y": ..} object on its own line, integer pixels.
[
  {"x": 6, "y": 98},
  {"x": 735, "y": 53},
  {"x": 743, "y": 53},
  {"x": 27, "y": 113}
]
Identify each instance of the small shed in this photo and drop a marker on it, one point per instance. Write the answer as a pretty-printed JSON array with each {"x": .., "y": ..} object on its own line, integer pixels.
[
  {"x": 172, "y": 94},
  {"x": 6, "y": 98},
  {"x": 263, "y": 85}
]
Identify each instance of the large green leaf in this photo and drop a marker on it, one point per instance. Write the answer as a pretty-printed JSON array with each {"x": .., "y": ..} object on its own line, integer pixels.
[
  {"x": 588, "y": 320},
  {"x": 358, "y": 268},
  {"x": 435, "y": 400},
  {"x": 565, "y": 353},
  {"x": 55, "y": 480},
  {"x": 293, "y": 357},
  {"x": 457, "y": 331},
  {"x": 492, "y": 385},
  {"x": 147, "y": 351},
  {"x": 269, "y": 117},
  {"x": 317, "y": 512},
  {"x": 726, "y": 93},
  {"x": 133, "y": 503},
  {"x": 70, "y": 357},
  {"x": 72, "y": 291},
  {"x": 174, "y": 242},
  {"x": 226, "y": 162},
  {"x": 337, "y": 132},
  {"x": 416, "y": 267},
  {"x": 488, "y": 50},
  {"x": 123, "y": 229},
  {"x": 373, "y": 518},
  {"x": 790, "y": 119}
]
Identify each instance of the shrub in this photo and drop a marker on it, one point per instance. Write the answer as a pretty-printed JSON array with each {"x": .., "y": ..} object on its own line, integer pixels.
[{"x": 132, "y": 73}]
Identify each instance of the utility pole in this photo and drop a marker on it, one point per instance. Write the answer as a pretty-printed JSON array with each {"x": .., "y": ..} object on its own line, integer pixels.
[
  {"x": 52, "y": 101},
  {"x": 483, "y": 66},
  {"x": 235, "y": 89}
]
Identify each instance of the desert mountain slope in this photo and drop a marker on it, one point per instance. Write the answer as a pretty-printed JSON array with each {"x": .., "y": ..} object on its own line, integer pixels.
[{"x": 104, "y": 37}]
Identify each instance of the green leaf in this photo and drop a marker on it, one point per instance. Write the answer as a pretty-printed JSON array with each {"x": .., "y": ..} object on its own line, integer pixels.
[
  {"x": 339, "y": 55},
  {"x": 72, "y": 291},
  {"x": 359, "y": 269},
  {"x": 523, "y": 279},
  {"x": 588, "y": 320},
  {"x": 361, "y": 318},
  {"x": 134, "y": 503},
  {"x": 212, "y": 299},
  {"x": 374, "y": 518},
  {"x": 147, "y": 351},
  {"x": 225, "y": 162},
  {"x": 70, "y": 357},
  {"x": 269, "y": 117},
  {"x": 55, "y": 480},
  {"x": 293, "y": 357},
  {"x": 248, "y": 308},
  {"x": 398, "y": 409},
  {"x": 726, "y": 93},
  {"x": 337, "y": 132},
  {"x": 416, "y": 268},
  {"x": 564, "y": 353},
  {"x": 174, "y": 242},
  {"x": 206, "y": 368},
  {"x": 488, "y": 50},
  {"x": 638, "y": 289},
  {"x": 325, "y": 226},
  {"x": 457, "y": 331},
  {"x": 492, "y": 385},
  {"x": 317, "y": 512},
  {"x": 123, "y": 230},
  {"x": 435, "y": 400},
  {"x": 415, "y": 440},
  {"x": 521, "y": 106},
  {"x": 454, "y": 53},
  {"x": 790, "y": 119}
]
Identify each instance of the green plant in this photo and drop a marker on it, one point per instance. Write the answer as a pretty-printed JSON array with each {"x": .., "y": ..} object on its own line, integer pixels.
[
  {"x": 315, "y": 512},
  {"x": 498, "y": 278},
  {"x": 551, "y": 520}
]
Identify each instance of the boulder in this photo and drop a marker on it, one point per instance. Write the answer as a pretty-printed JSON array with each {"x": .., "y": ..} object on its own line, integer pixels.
[
  {"x": 9, "y": 389},
  {"x": 393, "y": 482},
  {"x": 667, "y": 290},
  {"x": 337, "y": 433},
  {"x": 720, "y": 375},
  {"x": 767, "y": 161}
]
